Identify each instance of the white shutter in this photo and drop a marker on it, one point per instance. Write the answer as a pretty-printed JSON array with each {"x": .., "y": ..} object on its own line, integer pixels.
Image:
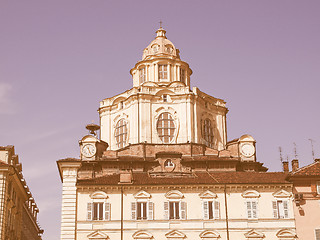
[
  {"x": 249, "y": 211},
  {"x": 89, "y": 211},
  {"x": 216, "y": 210},
  {"x": 183, "y": 210},
  {"x": 285, "y": 209},
  {"x": 166, "y": 210},
  {"x": 254, "y": 209},
  {"x": 275, "y": 209},
  {"x": 133, "y": 211},
  {"x": 107, "y": 211},
  {"x": 150, "y": 210},
  {"x": 318, "y": 187},
  {"x": 205, "y": 208}
]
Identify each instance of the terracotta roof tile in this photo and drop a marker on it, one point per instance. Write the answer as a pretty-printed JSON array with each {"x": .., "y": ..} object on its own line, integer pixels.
[
  {"x": 309, "y": 170},
  {"x": 195, "y": 178}
]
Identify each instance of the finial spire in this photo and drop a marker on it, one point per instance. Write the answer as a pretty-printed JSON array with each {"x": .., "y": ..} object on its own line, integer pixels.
[{"x": 160, "y": 24}]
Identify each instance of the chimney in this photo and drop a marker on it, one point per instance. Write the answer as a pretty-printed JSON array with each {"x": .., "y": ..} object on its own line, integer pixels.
[
  {"x": 125, "y": 176},
  {"x": 295, "y": 165},
  {"x": 317, "y": 159},
  {"x": 285, "y": 166}
]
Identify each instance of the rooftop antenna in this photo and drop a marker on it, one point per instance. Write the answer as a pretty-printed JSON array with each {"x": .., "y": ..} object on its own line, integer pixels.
[
  {"x": 295, "y": 151},
  {"x": 312, "y": 141},
  {"x": 280, "y": 151}
]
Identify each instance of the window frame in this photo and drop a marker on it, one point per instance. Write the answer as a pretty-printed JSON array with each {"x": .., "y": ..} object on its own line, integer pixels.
[
  {"x": 208, "y": 132},
  {"x": 166, "y": 127},
  {"x": 251, "y": 212},
  {"x": 163, "y": 72},
  {"x": 121, "y": 133},
  {"x": 280, "y": 211},
  {"x": 142, "y": 74},
  {"x": 182, "y": 75}
]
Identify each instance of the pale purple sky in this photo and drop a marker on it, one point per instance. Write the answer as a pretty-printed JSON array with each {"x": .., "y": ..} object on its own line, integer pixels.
[{"x": 59, "y": 58}]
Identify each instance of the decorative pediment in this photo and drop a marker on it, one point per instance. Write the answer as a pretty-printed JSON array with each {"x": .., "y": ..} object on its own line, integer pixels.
[
  {"x": 207, "y": 194},
  {"x": 174, "y": 194},
  {"x": 99, "y": 195},
  {"x": 142, "y": 235},
  {"x": 208, "y": 235},
  {"x": 286, "y": 234},
  {"x": 281, "y": 194},
  {"x": 175, "y": 235},
  {"x": 142, "y": 194},
  {"x": 98, "y": 235},
  {"x": 254, "y": 234},
  {"x": 251, "y": 194}
]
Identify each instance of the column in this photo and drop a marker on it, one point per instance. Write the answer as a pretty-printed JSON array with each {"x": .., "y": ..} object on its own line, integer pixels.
[{"x": 169, "y": 72}]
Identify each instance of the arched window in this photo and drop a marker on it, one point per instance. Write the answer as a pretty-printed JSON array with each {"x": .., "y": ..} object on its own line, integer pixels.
[
  {"x": 121, "y": 133},
  {"x": 165, "y": 127},
  {"x": 208, "y": 132}
]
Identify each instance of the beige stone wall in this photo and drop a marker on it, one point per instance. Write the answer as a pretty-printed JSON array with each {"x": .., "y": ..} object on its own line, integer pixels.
[{"x": 195, "y": 224}]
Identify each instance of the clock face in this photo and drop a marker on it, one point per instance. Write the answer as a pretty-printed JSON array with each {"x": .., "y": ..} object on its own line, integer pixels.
[
  {"x": 88, "y": 150},
  {"x": 247, "y": 150}
]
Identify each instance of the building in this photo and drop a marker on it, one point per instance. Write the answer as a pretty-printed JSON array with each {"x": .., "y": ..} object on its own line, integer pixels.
[
  {"x": 164, "y": 169},
  {"x": 306, "y": 190},
  {"x": 18, "y": 209}
]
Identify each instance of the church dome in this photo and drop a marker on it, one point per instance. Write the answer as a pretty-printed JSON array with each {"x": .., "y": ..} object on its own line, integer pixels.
[{"x": 160, "y": 47}]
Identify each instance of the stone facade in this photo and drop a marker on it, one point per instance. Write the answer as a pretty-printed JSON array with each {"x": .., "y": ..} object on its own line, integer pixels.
[
  {"x": 18, "y": 210},
  {"x": 163, "y": 168}
]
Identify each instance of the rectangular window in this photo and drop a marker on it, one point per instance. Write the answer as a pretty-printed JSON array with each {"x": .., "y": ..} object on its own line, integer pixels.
[
  {"x": 182, "y": 75},
  {"x": 174, "y": 210},
  {"x": 318, "y": 187},
  {"x": 280, "y": 209},
  {"x": 163, "y": 71},
  {"x": 98, "y": 211},
  {"x": 317, "y": 234},
  {"x": 211, "y": 209},
  {"x": 141, "y": 210},
  {"x": 252, "y": 209},
  {"x": 142, "y": 74}
]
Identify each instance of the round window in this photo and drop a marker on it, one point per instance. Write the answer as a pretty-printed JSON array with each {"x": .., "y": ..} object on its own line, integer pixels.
[
  {"x": 207, "y": 132},
  {"x": 121, "y": 133},
  {"x": 165, "y": 127}
]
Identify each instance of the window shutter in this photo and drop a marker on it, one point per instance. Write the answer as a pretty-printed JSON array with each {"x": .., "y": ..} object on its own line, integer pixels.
[
  {"x": 205, "y": 210},
  {"x": 89, "y": 211},
  {"x": 166, "y": 210},
  {"x": 317, "y": 233},
  {"x": 150, "y": 210},
  {"x": 183, "y": 210},
  {"x": 133, "y": 211},
  {"x": 107, "y": 211},
  {"x": 249, "y": 213},
  {"x": 318, "y": 187},
  {"x": 254, "y": 209},
  {"x": 285, "y": 209},
  {"x": 216, "y": 210},
  {"x": 275, "y": 209}
]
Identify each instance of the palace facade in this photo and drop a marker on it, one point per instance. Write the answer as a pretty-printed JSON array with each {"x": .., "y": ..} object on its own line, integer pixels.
[{"x": 164, "y": 169}]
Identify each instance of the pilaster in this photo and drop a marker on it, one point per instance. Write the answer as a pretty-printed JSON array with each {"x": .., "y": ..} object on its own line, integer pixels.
[{"x": 69, "y": 199}]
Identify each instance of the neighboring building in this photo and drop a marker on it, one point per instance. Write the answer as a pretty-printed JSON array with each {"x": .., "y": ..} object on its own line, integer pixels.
[
  {"x": 18, "y": 210},
  {"x": 163, "y": 168},
  {"x": 306, "y": 189}
]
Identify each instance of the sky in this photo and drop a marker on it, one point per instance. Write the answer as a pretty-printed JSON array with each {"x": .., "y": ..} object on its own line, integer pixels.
[{"x": 59, "y": 58}]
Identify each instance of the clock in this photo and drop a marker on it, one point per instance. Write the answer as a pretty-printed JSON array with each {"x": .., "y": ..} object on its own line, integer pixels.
[
  {"x": 247, "y": 150},
  {"x": 88, "y": 150}
]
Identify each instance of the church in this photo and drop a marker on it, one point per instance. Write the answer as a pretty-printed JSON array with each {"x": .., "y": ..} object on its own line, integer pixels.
[{"x": 162, "y": 167}]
